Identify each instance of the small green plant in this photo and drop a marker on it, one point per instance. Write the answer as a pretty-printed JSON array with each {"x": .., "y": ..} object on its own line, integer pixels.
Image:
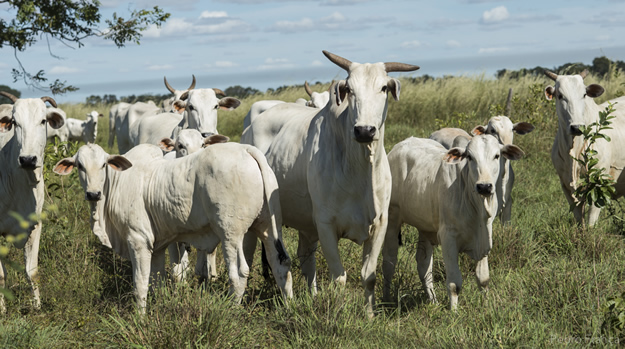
[
  {"x": 458, "y": 119},
  {"x": 595, "y": 186},
  {"x": 614, "y": 317}
]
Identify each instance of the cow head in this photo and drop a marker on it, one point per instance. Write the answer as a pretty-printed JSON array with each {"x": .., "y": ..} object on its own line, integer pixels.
[
  {"x": 189, "y": 141},
  {"x": 201, "y": 107},
  {"x": 482, "y": 155},
  {"x": 317, "y": 100},
  {"x": 169, "y": 105},
  {"x": 28, "y": 119},
  {"x": 571, "y": 97},
  {"x": 90, "y": 130},
  {"x": 91, "y": 161},
  {"x": 365, "y": 90},
  {"x": 503, "y": 129}
]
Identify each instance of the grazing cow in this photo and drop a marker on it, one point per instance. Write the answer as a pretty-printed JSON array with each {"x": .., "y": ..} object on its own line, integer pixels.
[
  {"x": 503, "y": 129},
  {"x": 169, "y": 105},
  {"x": 115, "y": 113},
  {"x": 21, "y": 178},
  {"x": 449, "y": 196},
  {"x": 124, "y": 123},
  {"x": 77, "y": 130},
  {"x": 332, "y": 170},
  {"x": 213, "y": 195},
  {"x": 200, "y": 113},
  {"x": 575, "y": 107}
]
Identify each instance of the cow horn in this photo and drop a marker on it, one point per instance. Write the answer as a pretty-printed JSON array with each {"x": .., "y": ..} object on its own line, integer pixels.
[
  {"x": 192, "y": 84},
  {"x": 553, "y": 76},
  {"x": 171, "y": 89},
  {"x": 340, "y": 61},
  {"x": 49, "y": 100},
  {"x": 584, "y": 73},
  {"x": 9, "y": 96},
  {"x": 219, "y": 92},
  {"x": 307, "y": 88},
  {"x": 395, "y": 66}
]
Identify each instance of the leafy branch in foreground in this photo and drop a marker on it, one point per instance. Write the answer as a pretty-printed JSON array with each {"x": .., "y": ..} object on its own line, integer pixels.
[
  {"x": 595, "y": 186},
  {"x": 69, "y": 22}
]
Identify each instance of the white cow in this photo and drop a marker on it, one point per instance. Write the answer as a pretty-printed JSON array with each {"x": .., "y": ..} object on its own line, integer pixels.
[
  {"x": 575, "y": 107},
  {"x": 317, "y": 99},
  {"x": 449, "y": 196},
  {"x": 21, "y": 178},
  {"x": 77, "y": 130},
  {"x": 115, "y": 113},
  {"x": 124, "y": 123},
  {"x": 258, "y": 108},
  {"x": 200, "y": 113},
  {"x": 332, "y": 170},
  {"x": 168, "y": 105},
  {"x": 502, "y": 128},
  {"x": 213, "y": 195}
]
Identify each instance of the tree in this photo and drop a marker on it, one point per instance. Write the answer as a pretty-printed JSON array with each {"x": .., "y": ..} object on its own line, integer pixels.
[
  {"x": 240, "y": 91},
  {"x": 4, "y": 100},
  {"x": 70, "y": 22}
]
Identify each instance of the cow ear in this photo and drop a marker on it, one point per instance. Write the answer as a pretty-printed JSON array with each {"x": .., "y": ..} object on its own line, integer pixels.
[
  {"x": 55, "y": 119},
  {"x": 478, "y": 130},
  {"x": 594, "y": 90},
  {"x": 167, "y": 144},
  {"x": 6, "y": 123},
  {"x": 511, "y": 152},
  {"x": 522, "y": 128},
  {"x": 549, "y": 91},
  {"x": 394, "y": 86},
  {"x": 229, "y": 103},
  {"x": 340, "y": 90},
  {"x": 64, "y": 166},
  {"x": 214, "y": 139},
  {"x": 118, "y": 163},
  {"x": 454, "y": 155}
]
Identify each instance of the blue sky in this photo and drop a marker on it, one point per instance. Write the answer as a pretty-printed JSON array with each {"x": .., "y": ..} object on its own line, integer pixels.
[{"x": 270, "y": 43}]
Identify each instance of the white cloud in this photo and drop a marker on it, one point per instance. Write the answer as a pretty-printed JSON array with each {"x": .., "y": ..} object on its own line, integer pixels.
[
  {"x": 411, "y": 44},
  {"x": 489, "y": 50},
  {"x": 276, "y": 63},
  {"x": 316, "y": 63},
  {"x": 496, "y": 15},
  {"x": 290, "y": 26},
  {"x": 213, "y": 14},
  {"x": 452, "y": 44},
  {"x": 334, "y": 22},
  {"x": 208, "y": 23},
  {"x": 58, "y": 69},
  {"x": 158, "y": 67},
  {"x": 225, "y": 64}
]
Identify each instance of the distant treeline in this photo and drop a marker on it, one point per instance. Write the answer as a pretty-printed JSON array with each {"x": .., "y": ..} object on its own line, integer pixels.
[{"x": 601, "y": 66}]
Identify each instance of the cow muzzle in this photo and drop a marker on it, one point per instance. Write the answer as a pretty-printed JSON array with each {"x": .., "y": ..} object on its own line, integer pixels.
[
  {"x": 575, "y": 131},
  {"x": 364, "y": 134},
  {"x": 93, "y": 196},
  {"x": 28, "y": 162},
  {"x": 484, "y": 189}
]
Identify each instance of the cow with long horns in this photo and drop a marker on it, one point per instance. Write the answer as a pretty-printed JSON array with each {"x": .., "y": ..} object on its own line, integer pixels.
[{"x": 168, "y": 105}]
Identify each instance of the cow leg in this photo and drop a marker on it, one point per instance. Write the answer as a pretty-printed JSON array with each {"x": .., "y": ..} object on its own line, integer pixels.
[
  {"x": 330, "y": 247},
  {"x": 482, "y": 273},
  {"x": 306, "y": 249},
  {"x": 370, "y": 253},
  {"x": 424, "y": 266},
  {"x": 179, "y": 261},
  {"x": 3, "y": 273},
  {"x": 249, "y": 247},
  {"x": 31, "y": 260},
  {"x": 206, "y": 265},
  {"x": 577, "y": 210},
  {"x": 389, "y": 252},
  {"x": 452, "y": 269},
  {"x": 141, "y": 259},
  {"x": 234, "y": 257}
]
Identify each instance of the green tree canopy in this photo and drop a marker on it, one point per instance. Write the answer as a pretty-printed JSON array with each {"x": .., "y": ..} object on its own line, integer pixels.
[
  {"x": 4, "y": 100},
  {"x": 70, "y": 22}
]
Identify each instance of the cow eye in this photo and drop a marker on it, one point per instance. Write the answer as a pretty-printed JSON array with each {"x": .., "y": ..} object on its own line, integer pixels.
[
  {"x": 497, "y": 157},
  {"x": 43, "y": 122},
  {"x": 384, "y": 88},
  {"x": 217, "y": 106}
]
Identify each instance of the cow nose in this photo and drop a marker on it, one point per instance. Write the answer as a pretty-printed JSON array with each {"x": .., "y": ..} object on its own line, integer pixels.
[
  {"x": 575, "y": 131},
  {"x": 93, "y": 196},
  {"x": 484, "y": 188},
  {"x": 207, "y": 134},
  {"x": 364, "y": 134},
  {"x": 28, "y": 162}
]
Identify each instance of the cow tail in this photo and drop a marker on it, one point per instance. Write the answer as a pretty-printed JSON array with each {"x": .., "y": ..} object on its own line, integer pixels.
[{"x": 270, "y": 185}]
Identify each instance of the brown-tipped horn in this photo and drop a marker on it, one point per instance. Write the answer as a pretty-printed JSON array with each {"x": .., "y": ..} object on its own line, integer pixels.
[
  {"x": 9, "y": 96},
  {"x": 49, "y": 100},
  {"x": 192, "y": 84},
  {"x": 171, "y": 89},
  {"x": 338, "y": 60},
  {"x": 307, "y": 88},
  {"x": 219, "y": 92},
  {"x": 395, "y": 66},
  {"x": 553, "y": 76},
  {"x": 584, "y": 73},
  {"x": 184, "y": 96}
]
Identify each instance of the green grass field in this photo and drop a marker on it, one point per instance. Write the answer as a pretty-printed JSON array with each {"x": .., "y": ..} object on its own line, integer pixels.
[{"x": 550, "y": 280}]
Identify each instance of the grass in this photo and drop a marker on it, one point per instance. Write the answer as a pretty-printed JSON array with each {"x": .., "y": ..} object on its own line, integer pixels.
[{"x": 550, "y": 280}]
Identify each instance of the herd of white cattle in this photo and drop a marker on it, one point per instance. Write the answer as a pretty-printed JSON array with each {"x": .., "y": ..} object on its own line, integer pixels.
[{"x": 317, "y": 166}]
